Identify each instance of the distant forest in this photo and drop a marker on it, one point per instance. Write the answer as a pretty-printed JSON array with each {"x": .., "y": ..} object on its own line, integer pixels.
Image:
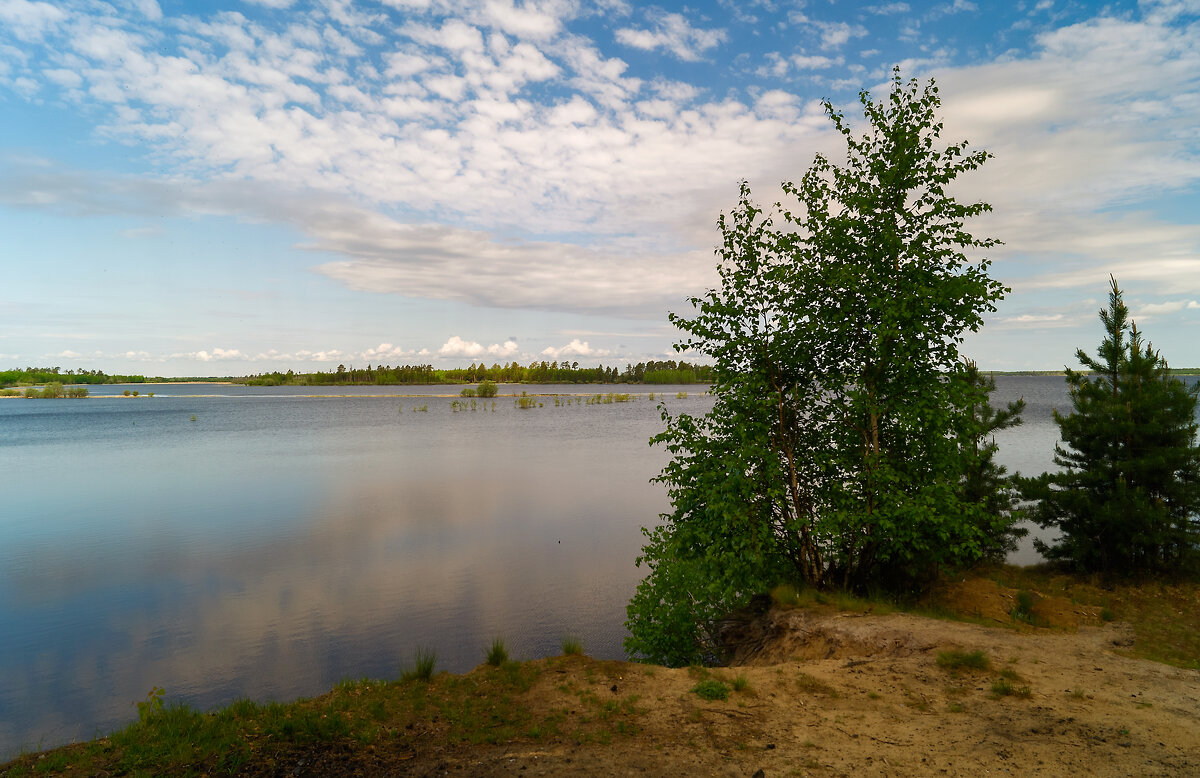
[
  {"x": 668, "y": 372},
  {"x": 43, "y": 375}
]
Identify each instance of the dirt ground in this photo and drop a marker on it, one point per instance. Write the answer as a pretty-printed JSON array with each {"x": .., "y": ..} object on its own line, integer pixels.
[{"x": 862, "y": 694}]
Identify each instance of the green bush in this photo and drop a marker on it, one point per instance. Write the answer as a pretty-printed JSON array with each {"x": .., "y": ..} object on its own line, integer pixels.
[
  {"x": 711, "y": 690},
  {"x": 486, "y": 389}
]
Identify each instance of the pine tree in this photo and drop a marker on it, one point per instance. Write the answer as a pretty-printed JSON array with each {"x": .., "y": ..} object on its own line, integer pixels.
[
  {"x": 1127, "y": 498},
  {"x": 984, "y": 482}
]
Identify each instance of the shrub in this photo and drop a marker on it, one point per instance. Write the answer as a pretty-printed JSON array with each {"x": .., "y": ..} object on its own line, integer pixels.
[
  {"x": 1023, "y": 610},
  {"x": 486, "y": 389},
  {"x": 711, "y": 690}
]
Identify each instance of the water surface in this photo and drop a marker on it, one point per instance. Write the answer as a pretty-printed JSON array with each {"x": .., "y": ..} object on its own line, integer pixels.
[{"x": 267, "y": 542}]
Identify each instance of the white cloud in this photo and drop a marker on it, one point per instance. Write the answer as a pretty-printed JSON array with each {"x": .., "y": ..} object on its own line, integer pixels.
[
  {"x": 815, "y": 62},
  {"x": 148, "y": 8},
  {"x": 836, "y": 34},
  {"x": 216, "y": 355},
  {"x": 457, "y": 347},
  {"x": 675, "y": 34},
  {"x": 947, "y": 9},
  {"x": 1151, "y": 310},
  {"x": 887, "y": 9},
  {"x": 575, "y": 348},
  {"x": 29, "y": 20},
  {"x": 525, "y": 22}
]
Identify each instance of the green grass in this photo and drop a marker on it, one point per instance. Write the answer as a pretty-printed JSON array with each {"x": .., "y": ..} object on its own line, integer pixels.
[
  {"x": 497, "y": 654},
  {"x": 484, "y": 706},
  {"x": 955, "y": 659},
  {"x": 1003, "y": 687},
  {"x": 1162, "y": 613},
  {"x": 711, "y": 689},
  {"x": 572, "y": 645},
  {"x": 812, "y": 685},
  {"x": 423, "y": 666},
  {"x": 1023, "y": 609}
]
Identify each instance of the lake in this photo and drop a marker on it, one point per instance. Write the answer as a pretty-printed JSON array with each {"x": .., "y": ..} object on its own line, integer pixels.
[{"x": 267, "y": 542}]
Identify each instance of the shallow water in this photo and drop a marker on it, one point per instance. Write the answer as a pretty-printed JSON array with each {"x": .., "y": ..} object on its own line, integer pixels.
[{"x": 267, "y": 544}]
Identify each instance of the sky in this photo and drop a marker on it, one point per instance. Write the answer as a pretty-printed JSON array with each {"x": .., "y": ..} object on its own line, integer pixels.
[{"x": 230, "y": 187}]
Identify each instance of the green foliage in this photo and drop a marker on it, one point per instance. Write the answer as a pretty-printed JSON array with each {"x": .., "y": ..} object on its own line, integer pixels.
[
  {"x": 44, "y": 375},
  {"x": 423, "y": 666},
  {"x": 497, "y": 654},
  {"x": 847, "y": 444},
  {"x": 467, "y": 392},
  {"x": 486, "y": 389},
  {"x": 956, "y": 659},
  {"x": 1127, "y": 498},
  {"x": 711, "y": 689},
  {"x": 151, "y": 706},
  {"x": 1023, "y": 609}
]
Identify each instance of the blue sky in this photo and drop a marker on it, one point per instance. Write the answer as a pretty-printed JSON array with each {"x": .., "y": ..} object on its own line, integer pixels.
[{"x": 225, "y": 187}]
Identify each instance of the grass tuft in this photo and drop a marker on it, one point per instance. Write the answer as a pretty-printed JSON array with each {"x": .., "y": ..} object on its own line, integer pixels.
[
  {"x": 497, "y": 654},
  {"x": 711, "y": 689},
  {"x": 423, "y": 666},
  {"x": 1002, "y": 687},
  {"x": 572, "y": 645},
  {"x": 959, "y": 660}
]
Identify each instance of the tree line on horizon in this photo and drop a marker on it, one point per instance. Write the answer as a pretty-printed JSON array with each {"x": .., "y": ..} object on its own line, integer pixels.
[
  {"x": 46, "y": 375},
  {"x": 652, "y": 372}
]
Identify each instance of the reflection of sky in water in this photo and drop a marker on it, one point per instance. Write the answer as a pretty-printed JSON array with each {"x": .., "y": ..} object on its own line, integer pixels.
[
  {"x": 273, "y": 547},
  {"x": 277, "y": 544}
]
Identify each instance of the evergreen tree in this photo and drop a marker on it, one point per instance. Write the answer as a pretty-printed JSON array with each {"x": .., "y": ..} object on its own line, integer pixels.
[
  {"x": 985, "y": 483},
  {"x": 1127, "y": 499}
]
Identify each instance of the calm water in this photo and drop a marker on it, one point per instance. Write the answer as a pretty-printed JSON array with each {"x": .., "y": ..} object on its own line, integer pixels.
[{"x": 278, "y": 543}]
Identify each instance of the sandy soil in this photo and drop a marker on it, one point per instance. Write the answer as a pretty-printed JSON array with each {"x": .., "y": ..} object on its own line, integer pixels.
[{"x": 863, "y": 695}]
